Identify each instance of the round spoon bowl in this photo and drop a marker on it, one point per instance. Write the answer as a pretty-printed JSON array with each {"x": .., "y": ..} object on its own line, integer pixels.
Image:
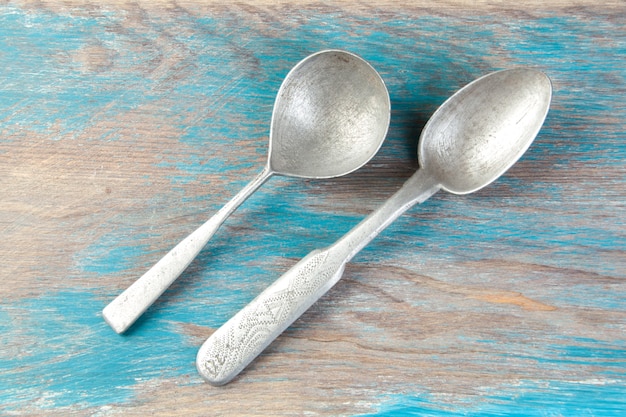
[
  {"x": 483, "y": 129},
  {"x": 330, "y": 117}
]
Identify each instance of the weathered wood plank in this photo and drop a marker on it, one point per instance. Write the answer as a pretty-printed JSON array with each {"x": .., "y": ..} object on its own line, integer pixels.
[{"x": 125, "y": 125}]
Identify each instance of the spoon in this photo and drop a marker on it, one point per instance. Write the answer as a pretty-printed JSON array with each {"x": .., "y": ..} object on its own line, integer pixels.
[
  {"x": 472, "y": 139},
  {"x": 330, "y": 117}
]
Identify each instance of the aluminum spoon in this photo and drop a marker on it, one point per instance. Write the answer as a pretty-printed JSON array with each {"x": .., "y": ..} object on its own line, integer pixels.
[
  {"x": 472, "y": 139},
  {"x": 330, "y": 117}
]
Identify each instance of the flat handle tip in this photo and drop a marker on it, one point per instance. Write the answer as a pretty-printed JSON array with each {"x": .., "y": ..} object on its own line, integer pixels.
[{"x": 114, "y": 321}]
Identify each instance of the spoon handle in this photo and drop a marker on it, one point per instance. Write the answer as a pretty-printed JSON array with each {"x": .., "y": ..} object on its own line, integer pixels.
[
  {"x": 242, "y": 338},
  {"x": 127, "y": 307}
]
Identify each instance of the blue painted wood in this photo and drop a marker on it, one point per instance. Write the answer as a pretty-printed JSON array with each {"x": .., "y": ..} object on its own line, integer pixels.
[{"x": 122, "y": 127}]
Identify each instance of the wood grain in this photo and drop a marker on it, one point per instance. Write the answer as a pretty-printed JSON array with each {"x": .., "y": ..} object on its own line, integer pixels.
[{"x": 124, "y": 125}]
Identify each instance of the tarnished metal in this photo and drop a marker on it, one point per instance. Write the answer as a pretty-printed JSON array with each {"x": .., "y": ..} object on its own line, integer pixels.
[
  {"x": 330, "y": 117},
  {"x": 472, "y": 139}
]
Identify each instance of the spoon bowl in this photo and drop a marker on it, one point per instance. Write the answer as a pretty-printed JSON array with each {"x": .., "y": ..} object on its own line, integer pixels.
[
  {"x": 479, "y": 133},
  {"x": 330, "y": 117}
]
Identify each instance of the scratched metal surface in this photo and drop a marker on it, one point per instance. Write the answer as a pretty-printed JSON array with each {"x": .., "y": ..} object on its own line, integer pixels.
[{"x": 124, "y": 126}]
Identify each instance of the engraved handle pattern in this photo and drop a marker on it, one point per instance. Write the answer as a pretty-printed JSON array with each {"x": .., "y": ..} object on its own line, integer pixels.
[
  {"x": 242, "y": 338},
  {"x": 234, "y": 345}
]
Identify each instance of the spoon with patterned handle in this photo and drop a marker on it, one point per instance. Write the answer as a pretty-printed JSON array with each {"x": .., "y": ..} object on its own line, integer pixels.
[{"x": 470, "y": 141}]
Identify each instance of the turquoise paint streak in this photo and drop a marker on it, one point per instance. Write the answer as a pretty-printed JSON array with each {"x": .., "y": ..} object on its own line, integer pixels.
[
  {"x": 590, "y": 398},
  {"x": 601, "y": 395},
  {"x": 43, "y": 89},
  {"x": 102, "y": 367},
  {"x": 427, "y": 58}
]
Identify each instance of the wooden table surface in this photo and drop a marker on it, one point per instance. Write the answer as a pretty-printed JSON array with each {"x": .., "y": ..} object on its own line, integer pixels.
[{"x": 125, "y": 125}]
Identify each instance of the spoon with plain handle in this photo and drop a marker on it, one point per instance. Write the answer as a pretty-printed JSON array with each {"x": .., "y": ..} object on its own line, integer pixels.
[
  {"x": 330, "y": 117},
  {"x": 472, "y": 139}
]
